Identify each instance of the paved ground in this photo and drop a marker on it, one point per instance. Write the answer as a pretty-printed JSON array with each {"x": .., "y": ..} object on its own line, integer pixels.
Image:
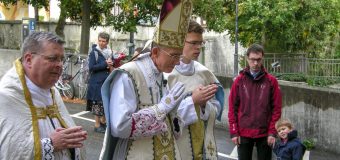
[{"x": 94, "y": 143}]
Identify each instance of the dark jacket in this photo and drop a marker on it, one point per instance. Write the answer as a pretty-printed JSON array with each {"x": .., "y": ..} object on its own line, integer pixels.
[
  {"x": 293, "y": 149},
  {"x": 254, "y": 105},
  {"x": 98, "y": 73}
]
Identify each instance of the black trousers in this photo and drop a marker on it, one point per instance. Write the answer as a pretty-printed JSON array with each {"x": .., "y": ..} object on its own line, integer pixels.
[{"x": 245, "y": 149}]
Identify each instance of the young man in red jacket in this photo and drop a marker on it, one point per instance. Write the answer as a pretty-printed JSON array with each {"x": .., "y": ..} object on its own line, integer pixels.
[{"x": 254, "y": 107}]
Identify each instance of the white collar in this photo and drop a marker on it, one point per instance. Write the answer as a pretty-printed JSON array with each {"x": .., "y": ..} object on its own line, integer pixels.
[
  {"x": 40, "y": 97},
  {"x": 186, "y": 69}
]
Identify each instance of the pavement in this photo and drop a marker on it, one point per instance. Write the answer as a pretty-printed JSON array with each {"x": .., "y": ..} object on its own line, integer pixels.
[{"x": 225, "y": 147}]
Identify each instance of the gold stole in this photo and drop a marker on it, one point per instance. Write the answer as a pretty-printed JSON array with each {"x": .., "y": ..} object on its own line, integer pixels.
[
  {"x": 164, "y": 144},
  {"x": 197, "y": 136},
  {"x": 37, "y": 113}
]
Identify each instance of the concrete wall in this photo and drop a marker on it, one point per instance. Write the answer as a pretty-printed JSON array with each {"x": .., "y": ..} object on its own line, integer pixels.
[
  {"x": 7, "y": 58},
  {"x": 219, "y": 53},
  {"x": 10, "y": 35},
  {"x": 314, "y": 112}
]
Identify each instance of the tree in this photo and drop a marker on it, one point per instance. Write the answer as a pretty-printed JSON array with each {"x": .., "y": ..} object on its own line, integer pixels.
[
  {"x": 85, "y": 27},
  {"x": 130, "y": 13},
  {"x": 37, "y": 4},
  {"x": 213, "y": 12},
  {"x": 285, "y": 26},
  {"x": 90, "y": 13},
  {"x": 127, "y": 19}
]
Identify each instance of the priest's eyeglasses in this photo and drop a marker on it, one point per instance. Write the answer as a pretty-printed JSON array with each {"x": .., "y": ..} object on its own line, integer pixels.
[
  {"x": 172, "y": 56},
  {"x": 52, "y": 59}
]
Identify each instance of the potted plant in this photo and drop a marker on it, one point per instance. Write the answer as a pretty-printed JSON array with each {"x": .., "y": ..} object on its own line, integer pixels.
[{"x": 309, "y": 144}]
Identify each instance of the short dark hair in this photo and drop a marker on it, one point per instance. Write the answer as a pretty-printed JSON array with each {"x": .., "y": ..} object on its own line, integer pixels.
[
  {"x": 194, "y": 27},
  {"x": 35, "y": 41},
  {"x": 104, "y": 35},
  {"x": 255, "y": 48}
]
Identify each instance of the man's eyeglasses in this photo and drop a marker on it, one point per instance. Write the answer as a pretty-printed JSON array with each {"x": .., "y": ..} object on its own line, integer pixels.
[
  {"x": 253, "y": 60},
  {"x": 196, "y": 43},
  {"x": 52, "y": 59},
  {"x": 172, "y": 56}
]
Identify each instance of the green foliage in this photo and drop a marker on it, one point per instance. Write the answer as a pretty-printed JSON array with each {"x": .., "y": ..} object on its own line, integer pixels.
[
  {"x": 34, "y": 3},
  {"x": 242, "y": 61},
  {"x": 73, "y": 10},
  {"x": 291, "y": 77},
  {"x": 309, "y": 144},
  {"x": 8, "y": 2},
  {"x": 321, "y": 81},
  {"x": 290, "y": 26},
  {"x": 133, "y": 13},
  {"x": 213, "y": 12},
  {"x": 311, "y": 81}
]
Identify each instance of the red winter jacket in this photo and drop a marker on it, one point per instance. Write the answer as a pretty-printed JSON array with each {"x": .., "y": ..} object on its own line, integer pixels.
[{"x": 254, "y": 105}]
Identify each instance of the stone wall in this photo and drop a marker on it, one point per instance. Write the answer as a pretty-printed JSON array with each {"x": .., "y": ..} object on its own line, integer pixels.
[
  {"x": 10, "y": 35},
  {"x": 219, "y": 53},
  {"x": 7, "y": 58}
]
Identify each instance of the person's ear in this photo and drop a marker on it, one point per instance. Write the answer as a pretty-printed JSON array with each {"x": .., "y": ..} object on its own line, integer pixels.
[
  {"x": 27, "y": 58},
  {"x": 154, "y": 52}
]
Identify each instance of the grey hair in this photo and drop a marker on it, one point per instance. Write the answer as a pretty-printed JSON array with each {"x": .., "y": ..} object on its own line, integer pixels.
[
  {"x": 104, "y": 35},
  {"x": 34, "y": 42}
]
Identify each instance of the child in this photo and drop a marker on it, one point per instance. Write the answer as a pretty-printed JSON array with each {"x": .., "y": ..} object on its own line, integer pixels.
[{"x": 290, "y": 147}]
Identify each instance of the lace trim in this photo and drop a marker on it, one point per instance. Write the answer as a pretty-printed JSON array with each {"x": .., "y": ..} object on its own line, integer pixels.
[
  {"x": 47, "y": 149},
  {"x": 146, "y": 124}
]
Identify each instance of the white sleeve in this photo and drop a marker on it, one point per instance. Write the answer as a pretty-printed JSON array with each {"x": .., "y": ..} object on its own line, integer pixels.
[
  {"x": 125, "y": 121},
  {"x": 211, "y": 105},
  {"x": 186, "y": 111}
]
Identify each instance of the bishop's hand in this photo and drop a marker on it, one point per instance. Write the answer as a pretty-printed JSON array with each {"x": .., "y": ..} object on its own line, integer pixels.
[{"x": 171, "y": 100}]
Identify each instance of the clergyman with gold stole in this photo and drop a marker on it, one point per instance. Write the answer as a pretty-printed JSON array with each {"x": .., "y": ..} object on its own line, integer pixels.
[{"x": 34, "y": 122}]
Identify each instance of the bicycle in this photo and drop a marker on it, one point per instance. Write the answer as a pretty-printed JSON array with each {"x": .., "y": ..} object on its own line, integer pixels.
[
  {"x": 82, "y": 78},
  {"x": 65, "y": 88},
  {"x": 66, "y": 83}
]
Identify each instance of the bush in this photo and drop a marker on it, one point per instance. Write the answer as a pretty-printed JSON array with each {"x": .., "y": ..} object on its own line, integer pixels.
[
  {"x": 309, "y": 144},
  {"x": 321, "y": 81},
  {"x": 312, "y": 81},
  {"x": 291, "y": 77}
]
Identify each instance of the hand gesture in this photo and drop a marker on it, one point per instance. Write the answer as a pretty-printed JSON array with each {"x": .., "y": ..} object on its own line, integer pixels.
[
  {"x": 170, "y": 101},
  {"x": 202, "y": 94},
  {"x": 109, "y": 63},
  {"x": 72, "y": 137}
]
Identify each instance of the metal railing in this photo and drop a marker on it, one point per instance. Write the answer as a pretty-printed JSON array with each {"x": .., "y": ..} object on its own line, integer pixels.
[{"x": 301, "y": 65}]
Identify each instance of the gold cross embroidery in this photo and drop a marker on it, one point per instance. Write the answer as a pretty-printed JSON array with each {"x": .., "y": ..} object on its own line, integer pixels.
[
  {"x": 211, "y": 148},
  {"x": 49, "y": 111}
]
